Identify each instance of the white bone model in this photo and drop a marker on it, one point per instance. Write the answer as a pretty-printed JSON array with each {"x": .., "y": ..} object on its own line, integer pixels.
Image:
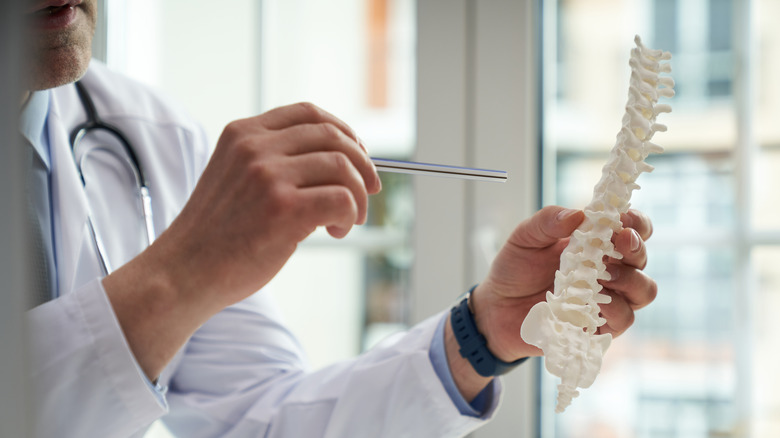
[{"x": 564, "y": 326}]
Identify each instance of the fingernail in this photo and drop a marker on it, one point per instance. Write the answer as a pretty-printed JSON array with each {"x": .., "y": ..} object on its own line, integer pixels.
[
  {"x": 564, "y": 214},
  {"x": 636, "y": 242},
  {"x": 377, "y": 178}
]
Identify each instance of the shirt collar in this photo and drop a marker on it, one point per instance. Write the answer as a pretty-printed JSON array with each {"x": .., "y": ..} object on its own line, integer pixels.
[{"x": 32, "y": 123}]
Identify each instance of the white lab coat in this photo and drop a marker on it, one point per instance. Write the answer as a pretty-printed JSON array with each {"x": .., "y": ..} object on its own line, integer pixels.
[{"x": 242, "y": 373}]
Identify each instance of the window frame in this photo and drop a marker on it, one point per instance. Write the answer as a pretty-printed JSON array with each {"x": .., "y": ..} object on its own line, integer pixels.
[{"x": 477, "y": 105}]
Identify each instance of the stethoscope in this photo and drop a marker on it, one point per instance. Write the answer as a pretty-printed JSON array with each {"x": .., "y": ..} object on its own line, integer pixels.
[{"x": 94, "y": 123}]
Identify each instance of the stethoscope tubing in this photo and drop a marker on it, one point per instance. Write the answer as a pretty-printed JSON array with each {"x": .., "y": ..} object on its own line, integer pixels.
[{"x": 94, "y": 123}]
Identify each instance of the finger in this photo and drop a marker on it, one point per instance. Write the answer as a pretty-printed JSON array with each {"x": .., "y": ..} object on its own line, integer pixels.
[
  {"x": 330, "y": 168},
  {"x": 310, "y": 137},
  {"x": 636, "y": 287},
  {"x": 547, "y": 227},
  {"x": 639, "y": 221},
  {"x": 618, "y": 314},
  {"x": 630, "y": 244},
  {"x": 330, "y": 206},
  {"x": 303, "y": 113}
]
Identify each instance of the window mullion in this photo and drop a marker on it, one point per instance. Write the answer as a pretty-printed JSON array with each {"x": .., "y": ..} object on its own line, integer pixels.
[{"x": 744, "y": 159}]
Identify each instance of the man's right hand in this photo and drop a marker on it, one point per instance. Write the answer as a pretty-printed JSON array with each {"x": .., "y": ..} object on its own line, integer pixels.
[{"x": 271, "y": 181}]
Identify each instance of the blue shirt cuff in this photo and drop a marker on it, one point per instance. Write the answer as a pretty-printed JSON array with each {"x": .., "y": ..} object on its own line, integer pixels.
[
  {"x": 158, "y": 390},
  {"x": 438, "y": 358}
]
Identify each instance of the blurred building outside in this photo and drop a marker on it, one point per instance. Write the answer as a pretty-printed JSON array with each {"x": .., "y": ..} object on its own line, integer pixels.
[{"x": 699, "y": 362}]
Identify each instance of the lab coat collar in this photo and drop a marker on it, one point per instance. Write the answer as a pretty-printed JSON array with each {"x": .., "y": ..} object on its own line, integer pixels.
[
  {"x": 32, "y": 122},
  {"x": 71, "y": 208}
]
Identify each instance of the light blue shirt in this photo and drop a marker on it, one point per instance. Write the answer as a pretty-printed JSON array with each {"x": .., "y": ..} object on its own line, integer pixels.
[
  {"x": 33, "y": 126},
  {"x": 441, "y": 366}
]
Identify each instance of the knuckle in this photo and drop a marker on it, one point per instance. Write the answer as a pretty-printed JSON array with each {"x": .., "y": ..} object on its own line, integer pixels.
[
  {"x": 340, "y": 162},
  {"x": 652, "y": 291},
  {"x": 281, "y": 201},
  {"x": 233, "y": 127},
  {"x": 236, "y": 140},
  {"x": 245, "y": 150},
  {"x": 262, "y": 172},
  {"x": 342, "y": 198},
  {"x": 344, "y": 204},
  {"x": 231, "y": 133},
  {"x": 330, "y": 132},
  {"x": 309, "y": 109}
]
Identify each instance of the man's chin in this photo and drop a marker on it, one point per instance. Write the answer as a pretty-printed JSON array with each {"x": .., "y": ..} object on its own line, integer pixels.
[
  {"x": 57, "y": 69},
  {"x": 61, "y": 56}
]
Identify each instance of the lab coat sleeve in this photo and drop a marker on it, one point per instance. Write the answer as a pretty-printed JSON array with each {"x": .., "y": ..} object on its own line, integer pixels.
[
  {"x": 243, "y": 375},
  {"x": 84, "y": 379}
]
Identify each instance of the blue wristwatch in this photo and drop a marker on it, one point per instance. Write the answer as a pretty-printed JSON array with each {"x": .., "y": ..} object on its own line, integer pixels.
[{"x": 473, "y": 345}]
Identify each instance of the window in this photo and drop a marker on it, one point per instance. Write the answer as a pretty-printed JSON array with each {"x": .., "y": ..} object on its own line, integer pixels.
[
  {"x": 703, "y": 48},
  {"x": 697, "y": 361},
  {"x": 355, "y": 59}
]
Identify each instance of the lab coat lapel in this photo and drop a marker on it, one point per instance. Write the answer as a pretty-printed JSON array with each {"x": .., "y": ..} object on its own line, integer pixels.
[{"x": 77, "y": 260}]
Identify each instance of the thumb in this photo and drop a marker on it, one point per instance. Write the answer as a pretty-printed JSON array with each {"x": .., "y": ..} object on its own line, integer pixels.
[{"x": 547, "y": 227}]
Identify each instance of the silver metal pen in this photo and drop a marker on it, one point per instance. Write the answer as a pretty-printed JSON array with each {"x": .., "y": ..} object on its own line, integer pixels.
[{"x": 412, "y": 167}]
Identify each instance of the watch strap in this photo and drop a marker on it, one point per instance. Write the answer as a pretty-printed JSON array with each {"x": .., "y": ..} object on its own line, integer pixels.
[{"x": 473, "y": 345}]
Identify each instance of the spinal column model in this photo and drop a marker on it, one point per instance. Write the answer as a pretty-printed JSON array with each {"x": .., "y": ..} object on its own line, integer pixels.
[{"x": 564, "y": 326}]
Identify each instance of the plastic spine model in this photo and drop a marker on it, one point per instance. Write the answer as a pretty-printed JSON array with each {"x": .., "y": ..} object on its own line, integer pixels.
[{"x": 565, "y": 325}]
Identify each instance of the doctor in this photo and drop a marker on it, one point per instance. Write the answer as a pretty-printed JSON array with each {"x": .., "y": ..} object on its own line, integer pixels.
[{"x": 177, "y": 331}]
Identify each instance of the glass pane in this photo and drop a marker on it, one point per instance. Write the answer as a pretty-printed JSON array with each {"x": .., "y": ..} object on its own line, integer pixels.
[
  {"x": 355, "y": 59},
  {"x": 676, "y": 372},
  {"x": 766, "y": 342},
  {"x": 766, "y": 199},
  {"x": 591, "y": 71}
]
